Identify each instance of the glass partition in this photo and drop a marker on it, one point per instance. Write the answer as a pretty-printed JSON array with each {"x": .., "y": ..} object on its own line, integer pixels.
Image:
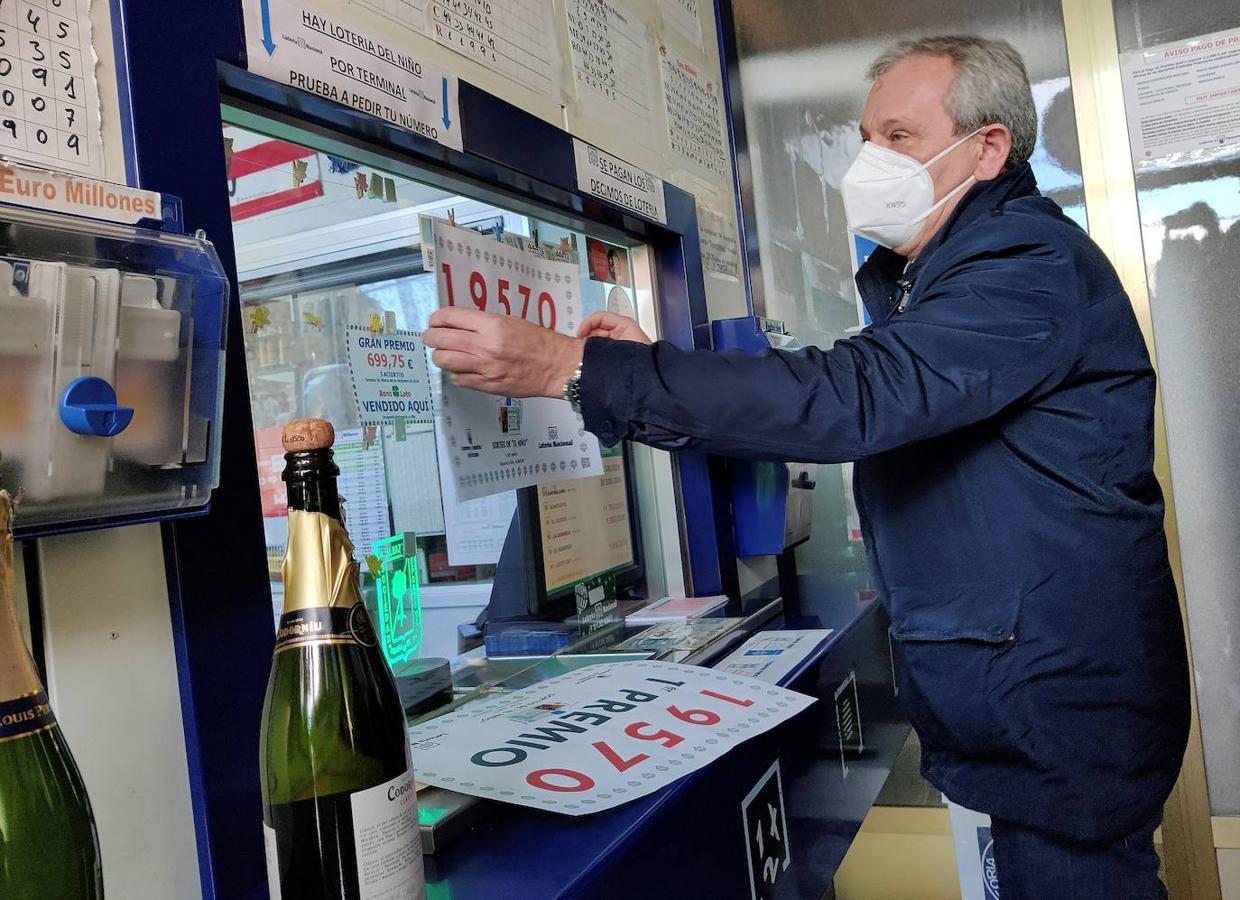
[
  {"x": 1189, "y": 202},
  {"x": 330, "y": 236}
]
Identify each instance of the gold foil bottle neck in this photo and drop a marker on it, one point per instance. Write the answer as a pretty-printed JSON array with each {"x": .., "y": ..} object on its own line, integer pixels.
[
  {"x": 318, "y": 568},
  {"x": 18, "y": 677}
]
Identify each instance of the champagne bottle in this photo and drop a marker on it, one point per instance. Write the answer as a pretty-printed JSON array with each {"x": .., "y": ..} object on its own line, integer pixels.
[
  {"x": 49, "y": 849},
  {"x": 340, "y": 811}
]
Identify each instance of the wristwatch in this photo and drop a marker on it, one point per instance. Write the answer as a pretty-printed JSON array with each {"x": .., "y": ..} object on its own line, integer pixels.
[{"x": 572, "y": 391}]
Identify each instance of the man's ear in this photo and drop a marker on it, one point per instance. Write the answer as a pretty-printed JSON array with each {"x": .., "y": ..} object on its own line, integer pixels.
[{"x": 996, "y": 148}]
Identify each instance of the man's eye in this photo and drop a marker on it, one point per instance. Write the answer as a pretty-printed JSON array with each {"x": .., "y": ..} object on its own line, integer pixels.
[{"x": 898, "y": 136}]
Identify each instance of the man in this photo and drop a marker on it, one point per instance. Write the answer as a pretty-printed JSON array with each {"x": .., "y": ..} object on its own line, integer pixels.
[{"x": 1000, "y": 411}]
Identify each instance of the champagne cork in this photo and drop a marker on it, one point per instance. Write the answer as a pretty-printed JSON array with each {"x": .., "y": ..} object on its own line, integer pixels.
[{"x": 301, "y": 435}]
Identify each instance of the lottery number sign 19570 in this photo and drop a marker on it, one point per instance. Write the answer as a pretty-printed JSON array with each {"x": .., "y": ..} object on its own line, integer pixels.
[{"x": 515, "y": 299}]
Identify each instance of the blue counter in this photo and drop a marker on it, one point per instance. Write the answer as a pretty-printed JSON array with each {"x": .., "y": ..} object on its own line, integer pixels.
[{"x": 689, "y": 839}]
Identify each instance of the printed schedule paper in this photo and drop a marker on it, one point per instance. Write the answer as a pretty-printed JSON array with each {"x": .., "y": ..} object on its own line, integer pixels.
[
  {"x": 596, "y": 738},
  {"x": 49, "y": 97},
  {"x": 496, "y": 444}
]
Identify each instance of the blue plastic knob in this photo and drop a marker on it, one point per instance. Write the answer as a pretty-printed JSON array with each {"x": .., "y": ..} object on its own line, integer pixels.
[{"x": 88, "y": 406}]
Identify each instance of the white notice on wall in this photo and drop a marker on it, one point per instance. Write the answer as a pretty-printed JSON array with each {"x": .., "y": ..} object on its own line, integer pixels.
[
  {"x": 684, "y": 17},
  {"x": 695, "y": 119},
  {"x": 721, "y": 253},
  {"x": 298, "y": 44},
  {"x": 612, "y": 69},
  {"x": 612, "y": 179},
  {"x": 1183, "y": 99},
  {"x": 497, "y": 444},
  {"x": 514, "y": 38},
  {"x": 49, "y": 96},
  {"x": 475, "y": 529},
  {"x": 598, "y": 737}
]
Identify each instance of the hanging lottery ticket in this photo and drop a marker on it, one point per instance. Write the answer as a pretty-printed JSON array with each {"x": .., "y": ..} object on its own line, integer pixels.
[{"x": 499, "y": 443}]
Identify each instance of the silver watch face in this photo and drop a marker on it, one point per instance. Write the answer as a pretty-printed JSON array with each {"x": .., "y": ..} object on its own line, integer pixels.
[{"x": 572, "y": 389}]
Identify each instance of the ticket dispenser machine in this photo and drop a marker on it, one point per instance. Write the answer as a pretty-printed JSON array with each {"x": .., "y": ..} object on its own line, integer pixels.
[
  {"x": 111, "y": 366},
  {"x": 771, "y": 502}
]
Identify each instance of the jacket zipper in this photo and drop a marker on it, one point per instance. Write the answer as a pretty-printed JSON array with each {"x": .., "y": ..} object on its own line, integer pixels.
[{"x": 906, "y": 288}]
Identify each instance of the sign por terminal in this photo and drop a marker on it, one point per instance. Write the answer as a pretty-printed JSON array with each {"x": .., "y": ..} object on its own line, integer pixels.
[{"x": 300, "y": 45}]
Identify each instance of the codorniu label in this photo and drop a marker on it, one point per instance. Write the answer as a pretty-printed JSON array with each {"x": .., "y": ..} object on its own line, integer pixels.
[
  {"x": 610, "y": 178},
  {"x": 299, "y": 45}
]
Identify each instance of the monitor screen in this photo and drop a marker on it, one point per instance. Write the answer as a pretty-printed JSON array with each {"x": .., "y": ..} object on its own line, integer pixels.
[{"x": 585, "y": 524}]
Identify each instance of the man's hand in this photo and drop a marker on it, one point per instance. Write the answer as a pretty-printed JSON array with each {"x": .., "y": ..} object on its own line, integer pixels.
[
  {"x": 611, "y": 325},
  {"x": 502, "y": 355}
]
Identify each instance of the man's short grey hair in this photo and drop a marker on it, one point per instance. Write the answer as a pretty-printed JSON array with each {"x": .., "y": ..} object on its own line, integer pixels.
[{"x": 991, "y": 87}]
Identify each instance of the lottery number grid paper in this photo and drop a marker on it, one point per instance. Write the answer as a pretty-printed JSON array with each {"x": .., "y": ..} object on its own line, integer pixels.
[
  {"x": 49, "y": 103},
  {"x": 694, "y": 115},
  {"x": 610, "y": 52},
  {"x": 513, "y": 38},
  {"x": 411, "y": 13}
]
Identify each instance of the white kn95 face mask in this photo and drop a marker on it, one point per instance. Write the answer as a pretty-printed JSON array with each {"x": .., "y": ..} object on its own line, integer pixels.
[{"x": 888, "y": 195}]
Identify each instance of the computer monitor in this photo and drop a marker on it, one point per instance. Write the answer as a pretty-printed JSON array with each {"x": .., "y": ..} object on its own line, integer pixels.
[{"x": 564, "y": 532}]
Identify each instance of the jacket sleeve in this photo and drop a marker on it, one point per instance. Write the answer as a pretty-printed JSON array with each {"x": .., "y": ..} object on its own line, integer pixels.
[{"x": 991, "y": 331}]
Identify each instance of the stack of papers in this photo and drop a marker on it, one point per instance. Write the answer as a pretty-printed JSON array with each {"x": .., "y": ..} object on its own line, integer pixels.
[{"x": 676, "y": 609}]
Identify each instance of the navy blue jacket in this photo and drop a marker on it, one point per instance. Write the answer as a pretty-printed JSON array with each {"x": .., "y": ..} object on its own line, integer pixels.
[{"x": 1003, "y": 428}]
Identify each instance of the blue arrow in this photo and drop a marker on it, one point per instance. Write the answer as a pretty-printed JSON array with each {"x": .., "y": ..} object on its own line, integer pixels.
[
  {"x": 268, "y": 44},
  {"x": 447, "y": 119}
]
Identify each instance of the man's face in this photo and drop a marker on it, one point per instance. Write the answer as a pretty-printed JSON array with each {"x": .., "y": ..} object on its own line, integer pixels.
[{"x": 905, "y": 112}]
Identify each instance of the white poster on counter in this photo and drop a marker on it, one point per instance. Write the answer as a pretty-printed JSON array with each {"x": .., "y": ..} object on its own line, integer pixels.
[
  {"x": 497, "y": 444},
  {"x": 1183, "y": 98},
  {"x": 49, "y": 95},
  {"x": 695, "y": 118},
  {"x": 596, "y": 738},
  {"x": 298, "y": 44}
]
